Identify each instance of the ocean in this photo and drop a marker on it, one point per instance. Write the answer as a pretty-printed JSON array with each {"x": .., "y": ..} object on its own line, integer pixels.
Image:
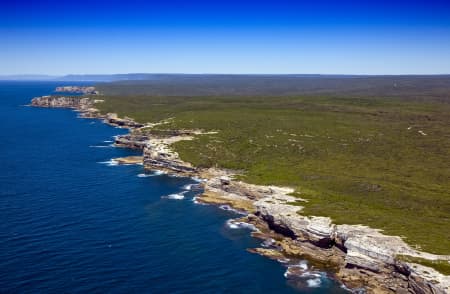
[{"x": 73, "y": 222}]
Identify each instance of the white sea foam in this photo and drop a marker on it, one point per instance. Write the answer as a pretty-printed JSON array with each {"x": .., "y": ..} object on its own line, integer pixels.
[
  {"x": 310, "y": 275},
  {"x": 303, "y": 265},
  {"x": 174, "y": 196},
  {"x": 153, "y": 174},
  {"x": 145, "y": 175},
  {"x": 194, "y": 199},
  {"x": 100, "y": 146},
  {"x": 313, "y": 283},
  {"x": 268, "y": 243},
  {"x": 187, "y": 187},
  {"x": 111, "y": 162},
  {"x": 175, "y": 176},
  {"x": 283, "y": 260},
  {"x": 232, "y": 224},
  {"x": 108, "y": 141}
]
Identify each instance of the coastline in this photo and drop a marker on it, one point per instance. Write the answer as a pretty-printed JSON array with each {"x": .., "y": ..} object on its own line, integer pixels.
[{"x": 361, "y": 257}]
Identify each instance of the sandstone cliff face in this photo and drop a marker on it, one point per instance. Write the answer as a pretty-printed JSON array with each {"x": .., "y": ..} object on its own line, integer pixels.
[
  {"x": 77, "y": 89},
  {"x": 86, "y": 107},
  {"x": 126, "y": 122},
  {"x": 363, "y": 256},
  {"x": 131, "y": 141},
  {"x": 157, "y": 155},
  {"x": 62, "y": 102}
]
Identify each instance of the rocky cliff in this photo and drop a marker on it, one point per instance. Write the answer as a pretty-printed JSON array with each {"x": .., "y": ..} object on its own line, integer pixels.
[
  {"x": 362, "y": 257},
  {"x": 158, "y": 155},
  {"x": 62, "y": 102},
  {"x": 126, "y": 122},
  {"x": 77, "y": 89},
  {"x": 131, "y": 141},
  {"x": 86, "y": 107}
]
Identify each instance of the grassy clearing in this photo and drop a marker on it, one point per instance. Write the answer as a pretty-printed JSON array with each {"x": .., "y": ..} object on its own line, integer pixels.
[
  {"x": 357, "y": 160},
  {"x": 441, "y": 266}
]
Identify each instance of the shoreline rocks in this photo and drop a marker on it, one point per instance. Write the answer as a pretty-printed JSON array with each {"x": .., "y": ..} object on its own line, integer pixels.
[
  {"x": 361, "y": 257},
  {"x": 158, "y": 155},
  {"x": 128, "y": 160},
  {"x": 131, "y": 141},
  {"x": 80, "y": 103}
]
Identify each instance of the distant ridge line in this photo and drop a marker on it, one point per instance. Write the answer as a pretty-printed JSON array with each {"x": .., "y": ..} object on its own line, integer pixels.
[{"x": 156, "y": 76}]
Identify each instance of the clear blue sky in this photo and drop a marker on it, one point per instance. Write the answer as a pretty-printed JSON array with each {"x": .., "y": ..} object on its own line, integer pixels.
[{"x": 328, "y": 37}]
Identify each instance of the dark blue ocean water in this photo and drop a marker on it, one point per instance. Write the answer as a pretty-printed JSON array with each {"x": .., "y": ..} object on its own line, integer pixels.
[{"x": 69, "y": 223}]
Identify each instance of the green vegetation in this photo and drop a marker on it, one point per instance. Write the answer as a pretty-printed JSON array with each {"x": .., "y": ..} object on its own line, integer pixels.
[
  {"x": 382, "y": 162},
  {"x": 442, "y": 266}
]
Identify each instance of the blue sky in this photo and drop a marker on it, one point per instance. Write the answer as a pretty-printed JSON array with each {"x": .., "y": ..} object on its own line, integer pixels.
[{"x": 327, "y": 37}]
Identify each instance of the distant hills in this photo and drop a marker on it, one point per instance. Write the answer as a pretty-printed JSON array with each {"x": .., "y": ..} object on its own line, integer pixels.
[{"x": 159, "y": 76}]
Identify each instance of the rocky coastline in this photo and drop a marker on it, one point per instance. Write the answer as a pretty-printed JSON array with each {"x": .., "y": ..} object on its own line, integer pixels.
[
  {"x": 362, "y": 258},
  {"x": 89, "y": 90}
]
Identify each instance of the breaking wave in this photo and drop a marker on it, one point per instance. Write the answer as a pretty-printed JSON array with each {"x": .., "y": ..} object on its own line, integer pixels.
[
  {"x": 232, "y": 224},
  {"x": 111, "y": 162},
  {"x": 145, "y": 175},
  {"x": 175, "y": 196},
  {"x": 188, "y": 187},
  {"x": 100, "y": 146},
  {"x": 314, "y": 283}
]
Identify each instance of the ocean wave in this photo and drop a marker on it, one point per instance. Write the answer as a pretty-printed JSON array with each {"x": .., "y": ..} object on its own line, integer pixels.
[
  {"x": 175, "y": 196},
  {"x": 188, "y": 187},
  {"x": 153, "y": 174},
  {"x": 145, "y": 175},
  {"x": 100, "y": 146},
  {"x": 194, "y": 199},
  {"x": 108, "y": 141},
  {"x": 111, "y": 162},
  {"x": 283, "y": 260},
  {"x": 176, "y": 176},
  {"x": 198, "y": 180},
  {"x": 268, "y": 243},
  {"x": 232, "y": 224},
  {"x": 314, "y": 283},
  {"x": 300, "y": 270},
  {"x": 303, "y": 265},
  {"x": 308, "y": 274}
]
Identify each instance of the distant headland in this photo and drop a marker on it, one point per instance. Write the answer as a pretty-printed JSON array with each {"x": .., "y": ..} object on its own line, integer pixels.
[{"x": 77, "y": 89}]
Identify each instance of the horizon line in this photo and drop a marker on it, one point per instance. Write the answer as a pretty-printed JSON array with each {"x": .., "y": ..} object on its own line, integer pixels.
[{"x": 217, "y": 73}]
